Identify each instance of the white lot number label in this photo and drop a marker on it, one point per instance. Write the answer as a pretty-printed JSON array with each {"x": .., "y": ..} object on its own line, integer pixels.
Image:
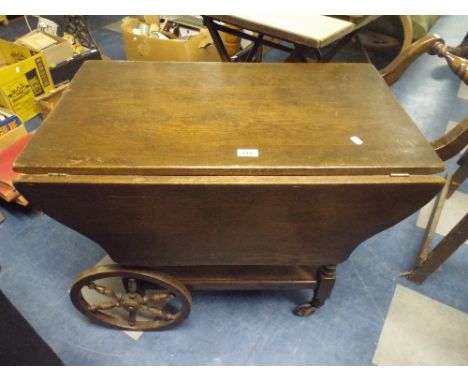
[{"x": 247, "y": 153}]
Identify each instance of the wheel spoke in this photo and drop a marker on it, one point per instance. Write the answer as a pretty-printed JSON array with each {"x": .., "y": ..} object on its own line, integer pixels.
[
  {"x": 159, "y": 313},
  {"x": 161, "y": 296},
  {"x": 104, "y": 306},
  {"x": 103, "y": 290},
  {"x": 132, "y": 317},
  {"x": 132, "y": 285}
]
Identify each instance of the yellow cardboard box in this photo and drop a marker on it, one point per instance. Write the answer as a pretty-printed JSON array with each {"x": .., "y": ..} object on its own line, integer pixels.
[
  {"x": 54, "y": 54},
  {"x": 21, "y": 80},
  {"x": 144, "y": 48},
  {"x": 11, "y": 53}
]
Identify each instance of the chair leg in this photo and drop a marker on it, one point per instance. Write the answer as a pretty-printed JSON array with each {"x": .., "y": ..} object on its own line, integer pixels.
[
  {"x": 433, "y": 220},
  {"x": 460, "y": 175},
  {"x": 449, "y": 244}
]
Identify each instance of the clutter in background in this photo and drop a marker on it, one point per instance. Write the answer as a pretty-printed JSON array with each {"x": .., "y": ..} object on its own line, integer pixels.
[
  {"x": 47, "y": 26},
  {"x": 47, "y": 102},
  {"x": 153, "y": 38},
  {"x": 13, "y": 138},
  {"x": 64, "y": 54},
  {"x": 23, "y": 76},
  {"x": 77, "y": 27},
  {"x": 154, "y": 26},
  {"x": 11, "y": 129},
  {"x": 56, "y": 49},
  {"x": 35, "y": 63}
]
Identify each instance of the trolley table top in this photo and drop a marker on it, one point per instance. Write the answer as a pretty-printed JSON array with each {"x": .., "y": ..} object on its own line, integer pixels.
[{"x": 155, "y": 118}]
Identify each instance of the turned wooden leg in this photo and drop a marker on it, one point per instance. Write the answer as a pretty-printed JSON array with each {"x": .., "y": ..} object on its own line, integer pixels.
[
  {"x": 449, "y": 244},
  {"x": 461, "y": 50},
  {"x": 326, "y": 277}
]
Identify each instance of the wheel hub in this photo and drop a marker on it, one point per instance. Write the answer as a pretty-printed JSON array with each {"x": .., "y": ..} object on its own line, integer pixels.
[{"x": 131, "y": 301}]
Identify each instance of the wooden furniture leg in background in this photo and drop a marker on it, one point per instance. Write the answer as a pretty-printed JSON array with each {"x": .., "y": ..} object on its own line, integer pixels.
[
  {"x": 392, "y": 72},
  {"x": 449, "y": 244},
  {"x": 462, "y": 49},
  {"x": 433, "y": 45},
  {"x": 458, "y": 65},
  {"x": 460, "y": 175},
  {"x": 326, "y": 278},
  {"x": 433, "y": 221},
  {"x": 447, "y": 146},
  {"x": 452, "y": 142}
]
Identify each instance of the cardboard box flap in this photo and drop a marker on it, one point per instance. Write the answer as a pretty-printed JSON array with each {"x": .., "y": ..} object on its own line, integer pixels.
[{"x": 11, "y": 53}]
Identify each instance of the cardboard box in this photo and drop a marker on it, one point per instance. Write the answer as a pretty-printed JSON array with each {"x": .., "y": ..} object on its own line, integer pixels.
[
  {"x": 23, "y": 80},
  {"x": 59, "y": 50},
  {"x": 8, "y": 121},
  {"x": 144, "y": 48},
  {"x": 11, "y": 53}
]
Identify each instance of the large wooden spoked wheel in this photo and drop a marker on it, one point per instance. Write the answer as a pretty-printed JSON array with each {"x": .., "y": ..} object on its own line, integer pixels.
[{"x": 161, "y": 304}]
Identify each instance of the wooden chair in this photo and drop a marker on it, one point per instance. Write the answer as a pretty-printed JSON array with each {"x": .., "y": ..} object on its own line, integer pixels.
[
  {"x": 429, "y": 260},
  {"x": 447, "y": 146},
  {"x": 433, "y": 45}
]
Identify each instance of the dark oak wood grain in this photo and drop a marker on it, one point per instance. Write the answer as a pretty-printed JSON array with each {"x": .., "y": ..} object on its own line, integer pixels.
[
  {"x": 233, "y": 277},
  {"x": 146, "y": 118},
  {"x": 228, "y": 220}
]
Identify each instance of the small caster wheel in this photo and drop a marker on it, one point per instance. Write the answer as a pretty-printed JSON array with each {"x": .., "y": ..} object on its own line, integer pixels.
[{"x": 304, "y": 310}]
